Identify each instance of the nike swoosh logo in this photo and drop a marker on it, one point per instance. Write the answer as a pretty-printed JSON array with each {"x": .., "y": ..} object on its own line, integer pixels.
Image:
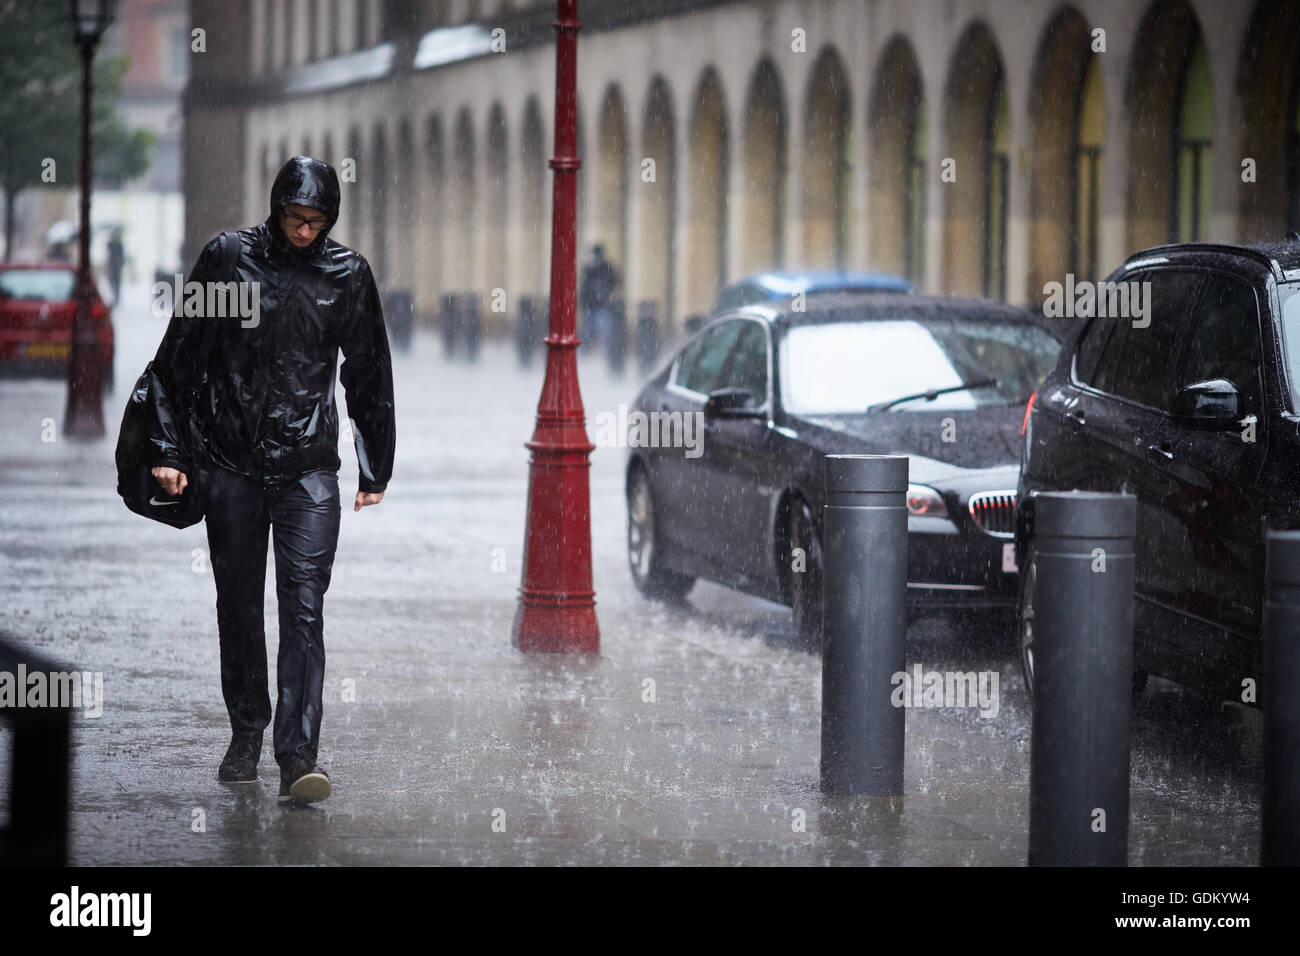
[{"x": 155, "y": 501}]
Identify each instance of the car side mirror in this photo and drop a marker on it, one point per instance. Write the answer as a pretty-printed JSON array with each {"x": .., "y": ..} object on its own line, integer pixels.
[
  {"x": 1207, "y": 406},
  {"x": 731, "y": 403}
]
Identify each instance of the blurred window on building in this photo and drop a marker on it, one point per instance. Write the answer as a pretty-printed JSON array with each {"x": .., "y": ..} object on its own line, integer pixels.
[
  {"x": 914, "y": 199},
  {"x": 1087, "y": 173},
  {"x": 1193, "y": 174},
  {"x": 998, "y": 166}
]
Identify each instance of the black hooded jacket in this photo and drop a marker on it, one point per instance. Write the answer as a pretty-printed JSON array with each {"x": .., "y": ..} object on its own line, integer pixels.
[{"x": 264, "y": 391}]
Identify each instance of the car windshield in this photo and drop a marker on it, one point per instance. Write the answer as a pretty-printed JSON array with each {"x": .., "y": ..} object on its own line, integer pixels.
[
  {"x": 844, "y": 367},
  {"x": 49, "y": 285}
]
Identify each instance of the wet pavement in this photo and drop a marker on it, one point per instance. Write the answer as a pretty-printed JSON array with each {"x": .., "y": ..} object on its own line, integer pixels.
[{"x": 446, "y": 746}]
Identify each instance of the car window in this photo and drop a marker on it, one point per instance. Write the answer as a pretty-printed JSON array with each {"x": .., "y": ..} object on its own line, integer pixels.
[
  {"x": 1091, "y": 346},
  {"x": 837, "y": 368},
  {"x": 1137, "y": 362},
  {"x": 1222, "y": 340},
  {"x": 747, "y": 364},
  {"x": 46, "y": 285},
  {"x": 701, "y": 363}
]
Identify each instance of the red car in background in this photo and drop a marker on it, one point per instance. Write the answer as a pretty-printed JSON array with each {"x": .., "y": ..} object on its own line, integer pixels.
[{"x": 37, "y": 313}]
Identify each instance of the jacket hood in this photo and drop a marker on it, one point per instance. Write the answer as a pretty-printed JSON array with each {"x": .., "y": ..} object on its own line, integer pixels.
[{"x": 304, "y": 181}]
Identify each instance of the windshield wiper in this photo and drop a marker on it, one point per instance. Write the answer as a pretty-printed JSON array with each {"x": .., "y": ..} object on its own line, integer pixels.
[{"x": 933, "y": 393}]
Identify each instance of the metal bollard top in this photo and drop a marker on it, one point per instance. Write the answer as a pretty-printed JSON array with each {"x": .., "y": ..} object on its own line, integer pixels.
[
  {"x": 1283, "y": 565},
  {"x": 869, "y": 474},
  {"x": 1085, "y": 514}
]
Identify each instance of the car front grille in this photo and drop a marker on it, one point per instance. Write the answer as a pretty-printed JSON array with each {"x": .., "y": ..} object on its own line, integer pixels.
[{"x": 994, "y": 512}]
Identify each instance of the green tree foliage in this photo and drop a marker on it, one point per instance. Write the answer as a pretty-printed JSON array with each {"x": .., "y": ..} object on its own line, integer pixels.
[{"x": 40, "y": 107}]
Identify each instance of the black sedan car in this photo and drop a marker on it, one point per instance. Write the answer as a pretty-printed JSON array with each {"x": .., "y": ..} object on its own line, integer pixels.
[{"x": 724, "y": 474}]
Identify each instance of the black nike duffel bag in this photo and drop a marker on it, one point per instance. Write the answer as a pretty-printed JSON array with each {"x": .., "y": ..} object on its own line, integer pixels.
[
  {"x": 135, "y": 454},
  {"x": 136, "y": 483}
]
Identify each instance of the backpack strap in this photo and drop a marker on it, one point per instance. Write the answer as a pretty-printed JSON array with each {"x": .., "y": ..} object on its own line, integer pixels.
[{"x": 230, "y": 255}]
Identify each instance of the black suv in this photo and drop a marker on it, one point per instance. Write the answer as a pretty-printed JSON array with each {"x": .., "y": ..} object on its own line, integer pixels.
[{"x": 1192, "y": 408}]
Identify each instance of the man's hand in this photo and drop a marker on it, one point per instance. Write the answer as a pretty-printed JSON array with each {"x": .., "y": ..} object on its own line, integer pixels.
[
  {"x": 367, "y": 498},
  {"x": 172, "y": 480}
]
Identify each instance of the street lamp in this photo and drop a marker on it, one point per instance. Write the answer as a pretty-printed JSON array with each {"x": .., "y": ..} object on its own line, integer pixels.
[
  {"x": 557, "y": 604},
  {"x": 84, "y": 417}
]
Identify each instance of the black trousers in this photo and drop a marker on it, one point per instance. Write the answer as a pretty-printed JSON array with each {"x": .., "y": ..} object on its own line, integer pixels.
[{"x": 304, "y": 517}]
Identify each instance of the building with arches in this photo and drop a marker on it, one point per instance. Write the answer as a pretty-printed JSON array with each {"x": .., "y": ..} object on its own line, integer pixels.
[{"x": 977, "y": 147}]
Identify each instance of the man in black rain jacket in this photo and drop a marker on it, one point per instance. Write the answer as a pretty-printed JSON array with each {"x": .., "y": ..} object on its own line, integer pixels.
[{"x": 262, "y": 382}]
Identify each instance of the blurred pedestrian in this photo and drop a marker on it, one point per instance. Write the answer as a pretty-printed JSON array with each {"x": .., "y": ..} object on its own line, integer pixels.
[
  {"x": 599, "y": 280},
  {"x": 116, "y": 259}
]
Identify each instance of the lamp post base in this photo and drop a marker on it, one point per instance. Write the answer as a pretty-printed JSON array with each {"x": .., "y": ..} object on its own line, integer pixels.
[{"x": 557, "y": 628}]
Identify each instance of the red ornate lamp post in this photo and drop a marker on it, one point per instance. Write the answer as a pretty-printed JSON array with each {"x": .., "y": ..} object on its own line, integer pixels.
[
  {"x": 557, "y": 604},
  {"x": 84, "y": 416}
]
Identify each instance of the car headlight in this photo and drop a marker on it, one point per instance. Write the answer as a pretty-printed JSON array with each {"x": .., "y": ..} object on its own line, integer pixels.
[{"x": 924, "y": 501}]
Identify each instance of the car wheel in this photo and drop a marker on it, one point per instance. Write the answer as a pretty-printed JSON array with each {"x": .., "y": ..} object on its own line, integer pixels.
[
  {"x": 643, "y": 556},
  {"x": 1025, "y": 627},
  {"x": 806, "y": 585},
  {"x": 1028, "y": 587}
]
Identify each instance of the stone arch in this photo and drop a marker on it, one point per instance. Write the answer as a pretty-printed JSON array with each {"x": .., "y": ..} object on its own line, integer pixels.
[
  {"x": 975, "y": 208},
  {"x": 376, "y": 252},
  {"x": 612, "y": 165},
  {"x": 707, "y": 180},
  {"x": 433, "y": 208},
  {"x": 1268, "y": 96},
  {"x": 352, "y": 189},
  {"x": 827, "y": 172},
  {"x": 494, "y": 194},
  {"x": 896, "y": 190},
  {"x": 1159, "y": 155},
  {"x": 1067, "y": 123},
  {"x": 404, "y": 207},
  {"x": 764, "y": 171},
  {"x": 656, "y": 198},
  {"x": 534, "y": 234},
  {"x": 461, "y": 222}
]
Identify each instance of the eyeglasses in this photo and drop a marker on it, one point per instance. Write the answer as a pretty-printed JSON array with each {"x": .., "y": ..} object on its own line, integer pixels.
[{"x": 297, "y": 222}]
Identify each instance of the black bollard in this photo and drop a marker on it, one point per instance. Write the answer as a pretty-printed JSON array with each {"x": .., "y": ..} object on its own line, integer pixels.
[
  {"x": 647, "y": 336},
  {"x": 1281, "y": 703},
  {"x": 450, "y": 320},
  {"x": 616, "y": 352},
  {"x": 37, "y": 834},
  {"x": 1083, "y": 678},
  {"x": 864, "y": 623},
  {"x": 471, "y": 324},
  {"x": 399, "y": 316},
  {"x": 526, "y": 332}
]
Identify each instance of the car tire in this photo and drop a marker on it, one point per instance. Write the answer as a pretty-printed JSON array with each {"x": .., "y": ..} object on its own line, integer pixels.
[
  {"x": 644, "y": 557},
  {"x": 1025, "y": 619},
  {"x": 806, "y": 585}
]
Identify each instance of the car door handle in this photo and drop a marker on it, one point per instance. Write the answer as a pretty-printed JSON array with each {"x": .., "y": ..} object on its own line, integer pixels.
[{"x": 1163, "y": 450}]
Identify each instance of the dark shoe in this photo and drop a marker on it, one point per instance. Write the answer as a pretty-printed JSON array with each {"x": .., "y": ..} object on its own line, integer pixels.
[
  {"x": 304, "y": 784},
  {"x": 240, "y": 763}
]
